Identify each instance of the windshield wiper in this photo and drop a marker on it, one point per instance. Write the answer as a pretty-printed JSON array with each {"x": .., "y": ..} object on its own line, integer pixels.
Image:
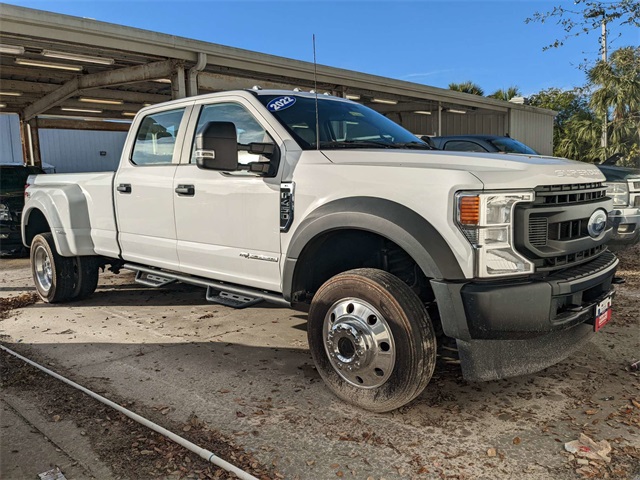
[{"x": 356, "y": 144}]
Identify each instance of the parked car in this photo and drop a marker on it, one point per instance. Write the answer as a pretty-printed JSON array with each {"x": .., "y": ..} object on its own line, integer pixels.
[
  {"x": 481, "y": 143},
  {"x": 13, "y": 178},
  {"x": 623, "y": 186}
]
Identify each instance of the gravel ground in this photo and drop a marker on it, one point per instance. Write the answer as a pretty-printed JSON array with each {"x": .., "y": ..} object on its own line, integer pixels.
[{"x": 242, "y": 383}]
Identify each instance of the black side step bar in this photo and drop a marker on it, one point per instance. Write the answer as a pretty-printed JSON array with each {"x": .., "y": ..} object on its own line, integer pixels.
[{"x": 213, "y": 287}]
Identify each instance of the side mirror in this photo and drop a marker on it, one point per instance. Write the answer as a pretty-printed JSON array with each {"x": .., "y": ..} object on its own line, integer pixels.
[{"x": 217, "y": 147}]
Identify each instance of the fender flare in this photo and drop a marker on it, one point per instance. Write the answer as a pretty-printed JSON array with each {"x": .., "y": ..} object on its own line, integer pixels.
[
  {"x": 393, "y": 221},
  {"x": 68, "y": 217}
]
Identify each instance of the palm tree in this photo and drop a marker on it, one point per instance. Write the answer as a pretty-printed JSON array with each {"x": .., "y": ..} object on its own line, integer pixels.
[
  {"x": 506, "y": 94},
  {"x": 617, "y": 98},
  {"x": 467, "y": 87}
]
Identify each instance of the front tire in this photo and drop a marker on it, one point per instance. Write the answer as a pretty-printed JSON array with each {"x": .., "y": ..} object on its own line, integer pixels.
[
  {"x": 52, "y": 273},
  {"x": 371, "y": 339}
]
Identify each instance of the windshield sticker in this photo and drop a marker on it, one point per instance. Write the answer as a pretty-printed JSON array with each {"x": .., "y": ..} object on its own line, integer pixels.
[
  {"x": 356, "y": 114},
  {"x": 280, "y": 103}
]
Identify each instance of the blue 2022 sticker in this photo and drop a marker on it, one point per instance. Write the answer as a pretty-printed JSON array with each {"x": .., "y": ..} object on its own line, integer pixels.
[{"x": 280, "y": 103}]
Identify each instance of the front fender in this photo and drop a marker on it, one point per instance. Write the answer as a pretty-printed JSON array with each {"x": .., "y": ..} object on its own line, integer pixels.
[
  {"x": 394, "y": 221},
  {"x": 66, "y": 211}
]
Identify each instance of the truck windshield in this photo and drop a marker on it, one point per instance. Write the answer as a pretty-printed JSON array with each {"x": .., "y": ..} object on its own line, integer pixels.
[
  {"x": 509, "y": 145},
  {"x": 342, "y": 124}
]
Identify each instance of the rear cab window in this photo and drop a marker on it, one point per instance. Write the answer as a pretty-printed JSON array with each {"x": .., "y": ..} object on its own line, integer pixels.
[{"x": 156, "y": 138}]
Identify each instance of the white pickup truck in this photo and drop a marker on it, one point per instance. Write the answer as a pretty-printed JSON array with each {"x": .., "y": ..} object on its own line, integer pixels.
[{"x": 322, "y": 204}]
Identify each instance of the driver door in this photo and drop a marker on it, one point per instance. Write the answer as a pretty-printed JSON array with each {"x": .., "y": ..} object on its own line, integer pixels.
[{"x": 228, "y": 223}]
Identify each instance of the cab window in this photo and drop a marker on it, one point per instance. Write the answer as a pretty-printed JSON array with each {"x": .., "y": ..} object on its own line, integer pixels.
[
  {"x": 247, "y": 127},
  {"x": 156, "y": 138}
]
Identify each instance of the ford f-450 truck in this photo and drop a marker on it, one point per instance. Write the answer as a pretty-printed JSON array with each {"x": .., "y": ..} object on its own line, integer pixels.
[{"x": 322, "y": 204}]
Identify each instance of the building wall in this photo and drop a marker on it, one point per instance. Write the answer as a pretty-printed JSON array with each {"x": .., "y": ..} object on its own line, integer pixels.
[
  {"x": 533, "y": 129},
  {"x": 67, "y": 150},
  {"x": 453, "y": 123},
  {"x": 10, "y": 146},
  {"x": 79, "y": 150}
]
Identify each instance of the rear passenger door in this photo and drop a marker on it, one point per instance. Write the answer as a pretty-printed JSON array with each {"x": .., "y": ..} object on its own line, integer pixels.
[{"x": 143, "y": 189}]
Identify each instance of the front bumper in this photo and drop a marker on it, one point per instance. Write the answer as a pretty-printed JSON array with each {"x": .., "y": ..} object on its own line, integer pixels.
[
  {"x": 626, "y": 226},
  {"x": 505, "y": 329}
]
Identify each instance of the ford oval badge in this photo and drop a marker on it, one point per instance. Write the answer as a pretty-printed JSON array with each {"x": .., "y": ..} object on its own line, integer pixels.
[{"x": 597, "y": 223}]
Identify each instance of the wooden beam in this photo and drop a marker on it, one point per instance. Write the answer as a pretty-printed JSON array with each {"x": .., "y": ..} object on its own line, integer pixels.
[
  {"x": 34, "y": 133},
  {"x": 71, "y": 124},
  {"x": 139, "y": 73},
  {"x": 217, "y": 82},
  {"x": 51, "y": 99}
]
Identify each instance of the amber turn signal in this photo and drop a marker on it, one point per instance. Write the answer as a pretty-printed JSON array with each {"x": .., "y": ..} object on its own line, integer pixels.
[{"x": 469, "y": 213}]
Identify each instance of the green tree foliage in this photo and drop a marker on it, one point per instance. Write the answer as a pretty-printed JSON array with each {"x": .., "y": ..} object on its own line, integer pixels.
[
  {"x": 583, "y": 16},
  {"x": 613, "y": 90},
  {"x": 506, "y": 94},
  {"x": 467, "y": 87},
  {"x": 616, "y": 95},
  {"x": 573, "y": 116}
]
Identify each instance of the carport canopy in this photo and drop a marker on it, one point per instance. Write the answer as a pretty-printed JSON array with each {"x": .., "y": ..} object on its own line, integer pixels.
[{"x": 59, "y": 71}]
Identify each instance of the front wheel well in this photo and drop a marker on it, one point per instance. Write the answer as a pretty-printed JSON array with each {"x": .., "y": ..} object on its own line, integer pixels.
[
  {"x": 337, "y": 251},
  {"x": 36, "y": 224}
]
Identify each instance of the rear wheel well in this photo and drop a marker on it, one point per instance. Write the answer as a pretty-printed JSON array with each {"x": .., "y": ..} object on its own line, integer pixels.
[
  {"x": 36, "y": 224},
  {"x": 337, "y": 251}
]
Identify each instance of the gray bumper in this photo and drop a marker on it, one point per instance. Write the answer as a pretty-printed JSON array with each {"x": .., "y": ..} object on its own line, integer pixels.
[{"x": 510, "y": 328}]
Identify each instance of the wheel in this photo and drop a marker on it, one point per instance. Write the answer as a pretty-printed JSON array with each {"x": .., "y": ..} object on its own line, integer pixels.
[
  {"x": 371, "y": 339},
  {"x": 53, "y": 274},
  {"x": 85, "y": 270}
]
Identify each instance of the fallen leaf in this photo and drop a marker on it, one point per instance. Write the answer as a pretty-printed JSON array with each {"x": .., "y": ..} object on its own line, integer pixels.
[
  {"x": 591, "y": 412},
  {"x": 334, "y": 465},
  {"x": 635, "y": 403},
  {"x": 56, "y": 418},
  {"x": 239, "y": 414},
  {"x": 311, "y": 462},
  {"x": 165, "y": 411},
  {"x": 186, "y": 428},
  {"x": 491, "y": 452},
  {"x": 339, "y": 473},
  {"x": 517, "y": 441}
]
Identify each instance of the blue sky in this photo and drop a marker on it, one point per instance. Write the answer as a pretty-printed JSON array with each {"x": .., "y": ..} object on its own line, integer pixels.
[{"x": 429, "y": 42}]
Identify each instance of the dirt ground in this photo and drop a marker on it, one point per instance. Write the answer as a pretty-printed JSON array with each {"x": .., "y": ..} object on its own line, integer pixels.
[{"x": 242, "y": 384}]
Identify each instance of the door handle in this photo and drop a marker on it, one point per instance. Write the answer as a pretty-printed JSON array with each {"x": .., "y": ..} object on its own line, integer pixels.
[
  {"x": 186, "y": 190},
  {"x": 124, "y": 188}
]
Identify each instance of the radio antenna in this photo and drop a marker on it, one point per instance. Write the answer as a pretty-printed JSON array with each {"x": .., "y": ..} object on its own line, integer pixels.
[{"x": 315, "y": 89}]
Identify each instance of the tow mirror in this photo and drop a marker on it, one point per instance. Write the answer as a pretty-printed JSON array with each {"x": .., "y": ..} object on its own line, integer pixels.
[{"x": 217, "y": 147}]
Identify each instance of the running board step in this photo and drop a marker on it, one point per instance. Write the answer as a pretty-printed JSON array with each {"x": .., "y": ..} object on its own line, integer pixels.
[
  {"x": 229, "y": 299},
  {"x": 153, "y": 279}
]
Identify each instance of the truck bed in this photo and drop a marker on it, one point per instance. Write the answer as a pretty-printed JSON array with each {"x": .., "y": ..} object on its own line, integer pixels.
[{"x": 88, "y": 196}]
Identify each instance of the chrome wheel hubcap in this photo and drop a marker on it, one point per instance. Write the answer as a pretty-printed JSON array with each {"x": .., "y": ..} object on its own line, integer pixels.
[
  {"x": 359, "y": 343},
  {"x": 43, "y": 269}
]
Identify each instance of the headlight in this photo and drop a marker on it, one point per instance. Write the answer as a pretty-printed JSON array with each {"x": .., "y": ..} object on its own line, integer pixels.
[
  {"x": 486, "y": 219},
  {"x": 5, "y": 214},
  {"x": 619, "y": 193}
]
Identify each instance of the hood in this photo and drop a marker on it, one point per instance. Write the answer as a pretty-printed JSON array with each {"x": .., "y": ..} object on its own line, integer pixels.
[
  {"x": 495, "y": 170},
  {"x": 619, "y": 174}
]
